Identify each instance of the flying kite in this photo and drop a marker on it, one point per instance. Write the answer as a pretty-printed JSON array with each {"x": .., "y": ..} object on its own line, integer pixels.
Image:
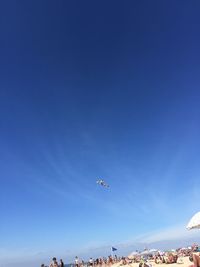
[{"x": 102, "y": 183}]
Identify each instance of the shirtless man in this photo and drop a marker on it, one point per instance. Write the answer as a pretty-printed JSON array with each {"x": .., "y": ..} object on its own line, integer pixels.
[
  {"x": 54, "y": 263},
  {"x": 196, "y": 259}
]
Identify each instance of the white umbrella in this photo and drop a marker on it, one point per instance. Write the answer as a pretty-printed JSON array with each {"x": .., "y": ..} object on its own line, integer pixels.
[
  {"x": 153, "y": 250},
  {"x": 145, "y": 252},
  {"x": 134, "y": 253},
  {"x": 194, "y": 222},
  {"x": 170, "y": 251}
]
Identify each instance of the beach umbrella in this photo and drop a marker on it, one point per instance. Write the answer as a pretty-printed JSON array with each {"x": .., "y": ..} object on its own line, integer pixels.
[
  {"x": 134, "y": 253},
  {"x": 145, "y": 252},
  {"x": 194, "y": 222},
  {"x": 170, "y": 251},
  {"x": 153, "y": 250}
]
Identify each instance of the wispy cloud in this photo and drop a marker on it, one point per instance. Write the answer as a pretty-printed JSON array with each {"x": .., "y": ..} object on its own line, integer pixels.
[{"x": 174, "y": 233}]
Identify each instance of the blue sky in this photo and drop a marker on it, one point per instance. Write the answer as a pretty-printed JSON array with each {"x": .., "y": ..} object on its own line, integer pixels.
[{"x": 91, "y": 90}]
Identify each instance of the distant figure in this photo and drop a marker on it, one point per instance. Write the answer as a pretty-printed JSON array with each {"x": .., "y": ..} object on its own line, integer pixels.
[
  {"x": 76, "y": 261},
  {"x": 110, "y": 260},
  {"x": 54, "y": 263},
  {"x": 100, "y": 261},
  {"x": 61, "y": 263},
  {"x": 124, "y": 262},
  {"x": 90, "y": 262},
  {"x": 97, "y": 262},
  {"x": 42, "y": 265}
]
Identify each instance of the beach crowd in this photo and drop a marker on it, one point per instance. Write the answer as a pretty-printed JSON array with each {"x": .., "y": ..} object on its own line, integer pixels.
[{"x": 144, "y": 259}]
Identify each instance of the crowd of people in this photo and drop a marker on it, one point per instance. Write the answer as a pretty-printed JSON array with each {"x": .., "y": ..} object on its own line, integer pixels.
[
  {"x": 103, "y": 261},
  {"x": 168, "y": 257},
  {"x": 55, "y": 263},
  {"x": 90, "y": 263}
]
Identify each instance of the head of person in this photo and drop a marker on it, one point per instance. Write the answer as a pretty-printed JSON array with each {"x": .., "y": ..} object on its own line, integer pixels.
[
  {"x": 42, "y": 265},
  {"x": 54, "y": 259},
  {"x": 191, "y": 258}
]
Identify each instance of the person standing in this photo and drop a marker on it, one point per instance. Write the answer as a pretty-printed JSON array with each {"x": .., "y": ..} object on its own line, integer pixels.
[
  {"x": 54, "y": 263},
  {"x": 61, "y": 263},
  {"x": 91, "y": 262},
  {"x": 76, "y": 261}
]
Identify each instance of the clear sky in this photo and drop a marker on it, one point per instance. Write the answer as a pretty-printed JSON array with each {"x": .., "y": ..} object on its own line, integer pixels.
[{"x": 96, "y": 89}]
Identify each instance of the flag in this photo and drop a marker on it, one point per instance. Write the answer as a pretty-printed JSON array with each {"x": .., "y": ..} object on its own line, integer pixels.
[{"x": 113, "y": 249}]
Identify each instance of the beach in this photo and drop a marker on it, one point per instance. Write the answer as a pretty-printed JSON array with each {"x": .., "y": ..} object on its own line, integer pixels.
[{"x": 185, "y": 263}]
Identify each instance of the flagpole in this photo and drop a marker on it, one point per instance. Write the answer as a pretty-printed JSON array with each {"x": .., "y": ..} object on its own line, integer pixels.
[{"x": 112, "y": 251}]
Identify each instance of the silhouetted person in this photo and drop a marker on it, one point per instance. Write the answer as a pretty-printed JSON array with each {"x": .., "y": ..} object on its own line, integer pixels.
[{"x": 61, "y": 263}]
